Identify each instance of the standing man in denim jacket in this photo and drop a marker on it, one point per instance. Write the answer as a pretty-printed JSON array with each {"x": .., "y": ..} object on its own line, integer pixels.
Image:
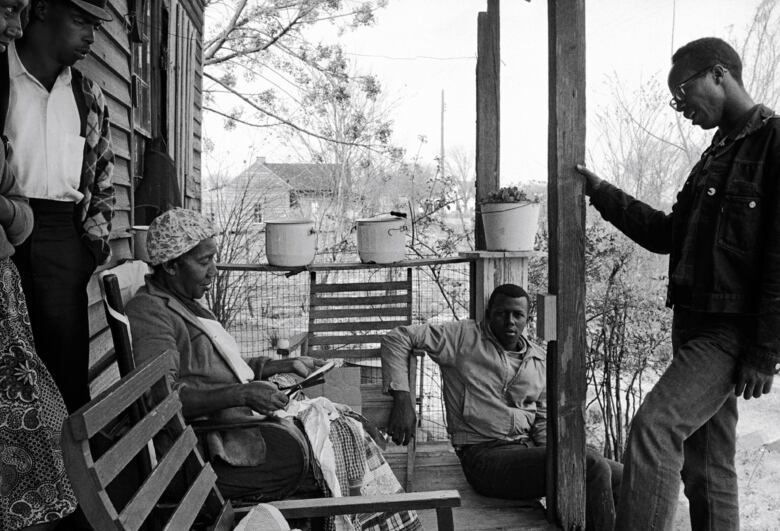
[
  {"x": 723, "y": 238},
  {"x": 495, "y": 397},
  {"x": 58, "y": 126}
]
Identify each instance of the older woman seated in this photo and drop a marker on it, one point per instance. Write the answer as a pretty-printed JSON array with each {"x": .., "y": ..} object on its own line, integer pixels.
[
  {"x": 212, "y": 379},
  {"x": 215, "y": 382}
]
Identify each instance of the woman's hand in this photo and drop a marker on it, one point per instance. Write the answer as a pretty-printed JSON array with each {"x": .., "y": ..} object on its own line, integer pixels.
[
  {"x": 301, "y": 365},
  {"x": 263, "y": 397}
]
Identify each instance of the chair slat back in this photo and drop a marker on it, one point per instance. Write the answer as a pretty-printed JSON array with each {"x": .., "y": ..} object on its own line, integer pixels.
[
  {"x": 92, "y": 470},
  {"x": 117, "y": 322},
  {"x": 348, "y": 319}
]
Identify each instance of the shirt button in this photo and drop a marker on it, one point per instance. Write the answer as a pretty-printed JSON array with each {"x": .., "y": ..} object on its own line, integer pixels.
[
  {"x": 710, "y": 191},
  {"x": 752, "y": 204},
  {"x": 777, "y": 368}
]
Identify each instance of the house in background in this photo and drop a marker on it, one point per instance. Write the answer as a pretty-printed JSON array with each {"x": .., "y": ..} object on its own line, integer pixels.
[
  {"x": 312, "y": 185},
  {"x": 266, "y": 191}
]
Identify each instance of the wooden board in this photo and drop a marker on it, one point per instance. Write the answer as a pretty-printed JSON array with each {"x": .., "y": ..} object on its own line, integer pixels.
[
  {"x": 566, "y": 221},
  {"x": 488, "y": 110}
]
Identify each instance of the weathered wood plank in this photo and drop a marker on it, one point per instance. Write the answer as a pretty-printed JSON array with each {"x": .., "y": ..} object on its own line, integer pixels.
[
  {"x": 189, "y": 507},
  {"x": 566, "y": 219},
  {"x": 113, "y": 57},
  {"x": 97, "y": 318},
  {"x": 359, "y": 354},
  {"x": 488, "y": 111},
  {"x": 354, "y": 326},
  {"x": 108, "y": 81},
  {"x": 399, "y": 285},
  {"x": 316, "y": 314},
  {"x": 103, "y": 410},
  {"x": 348, "y": 266},
  {"x": 121, "y": 453},
  {"x": 142, "y": 504},
  {"x": 359, "y": 301},
  {"x": 345, "y": 340},
  {"x": 362, "y": 504}
]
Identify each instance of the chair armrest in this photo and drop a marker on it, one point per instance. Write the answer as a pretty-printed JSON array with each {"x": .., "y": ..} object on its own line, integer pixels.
[
  {"x": 201, "y": 426},
  {"x": 315, "y": 507}
]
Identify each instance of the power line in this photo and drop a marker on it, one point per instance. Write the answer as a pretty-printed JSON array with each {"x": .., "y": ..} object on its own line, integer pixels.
[{"x": 414, "y": 58}]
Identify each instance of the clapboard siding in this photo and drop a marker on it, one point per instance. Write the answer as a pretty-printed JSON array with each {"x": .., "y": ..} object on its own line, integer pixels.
[
  {"x": 194, "y": 9},
  {"x": 110, "y": 64},
  {"x": 186, "y": 94}
]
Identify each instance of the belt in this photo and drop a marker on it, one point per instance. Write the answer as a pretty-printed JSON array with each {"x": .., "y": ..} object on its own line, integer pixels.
[{"x": 45, "y": 206}]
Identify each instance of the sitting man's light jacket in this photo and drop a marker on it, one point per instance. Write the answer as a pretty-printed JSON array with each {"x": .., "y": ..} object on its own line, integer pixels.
[{"x": 485, "y": 399}]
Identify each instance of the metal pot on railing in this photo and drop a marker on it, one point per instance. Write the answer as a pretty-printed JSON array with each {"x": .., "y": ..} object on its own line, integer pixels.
[
  {"x": 290, "y": 242},
  {"x": 382, "y": 239}
]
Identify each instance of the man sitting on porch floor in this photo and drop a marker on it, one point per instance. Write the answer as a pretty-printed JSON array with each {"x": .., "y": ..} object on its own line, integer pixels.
[{"x": 494, "y": 394}]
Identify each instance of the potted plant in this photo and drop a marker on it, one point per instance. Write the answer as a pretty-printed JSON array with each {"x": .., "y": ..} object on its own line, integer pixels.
[{"x": 510, "y": 218}]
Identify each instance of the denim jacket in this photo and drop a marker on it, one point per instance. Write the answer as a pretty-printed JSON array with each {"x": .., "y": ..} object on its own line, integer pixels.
[
  {"x": 723, "y": 234},
  {"x": 485, "y": 399}
]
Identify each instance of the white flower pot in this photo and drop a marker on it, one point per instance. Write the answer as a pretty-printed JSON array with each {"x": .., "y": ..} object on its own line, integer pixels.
[{"x": 510, "y": 226}]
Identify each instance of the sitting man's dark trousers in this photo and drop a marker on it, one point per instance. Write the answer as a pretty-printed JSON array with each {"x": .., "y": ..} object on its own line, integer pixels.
[
  {"x": 517, "y": 471},
  {"x": 495, "y": 396}
]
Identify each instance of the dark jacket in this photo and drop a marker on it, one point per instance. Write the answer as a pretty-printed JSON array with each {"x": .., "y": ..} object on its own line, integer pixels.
[{"x": 723, "y": 234}]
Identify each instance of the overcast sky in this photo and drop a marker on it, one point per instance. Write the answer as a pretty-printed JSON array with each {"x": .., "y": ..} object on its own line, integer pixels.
[{"x": 417, "y": 48}]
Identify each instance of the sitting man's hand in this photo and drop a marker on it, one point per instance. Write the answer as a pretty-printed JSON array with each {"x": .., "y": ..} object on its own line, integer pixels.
[
  {"x": 752, "y": 383},
  {"x": 301, "y": 365},
  {"x": 592, "y": 181},
  {"x": 403, "y": 420},
  {"x": 263, "y": 397}
]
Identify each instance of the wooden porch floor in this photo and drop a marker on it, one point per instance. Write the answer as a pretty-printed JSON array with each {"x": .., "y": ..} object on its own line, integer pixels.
[{"x": 437, "y": 467}]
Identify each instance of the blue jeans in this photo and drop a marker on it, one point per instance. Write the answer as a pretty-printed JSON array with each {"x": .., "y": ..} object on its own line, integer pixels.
[
  {"x": 687, "y": 426},
  {"x": 516, "y": 471}
]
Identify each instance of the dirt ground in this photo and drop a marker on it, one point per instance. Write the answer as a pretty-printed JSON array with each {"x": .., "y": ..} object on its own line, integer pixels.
[{"x": 758, "y": 465}]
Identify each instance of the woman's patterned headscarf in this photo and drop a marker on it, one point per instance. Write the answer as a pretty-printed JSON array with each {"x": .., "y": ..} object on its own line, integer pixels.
[{"x": 175, "y": 232}]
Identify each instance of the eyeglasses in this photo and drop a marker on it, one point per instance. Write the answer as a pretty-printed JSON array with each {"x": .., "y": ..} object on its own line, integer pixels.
[{"x": 678, "y": 93}]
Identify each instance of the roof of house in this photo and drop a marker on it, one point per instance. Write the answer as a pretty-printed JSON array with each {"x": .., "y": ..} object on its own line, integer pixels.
[
  {"x": 313, "y": 177},
  {"x": 259, "y": 172}
]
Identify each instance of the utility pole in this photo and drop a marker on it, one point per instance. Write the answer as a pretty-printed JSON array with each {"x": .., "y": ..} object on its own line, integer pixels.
[{"x": 441, "y": 136}]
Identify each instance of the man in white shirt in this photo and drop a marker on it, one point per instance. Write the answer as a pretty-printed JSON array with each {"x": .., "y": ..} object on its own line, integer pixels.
[{"x": 58, "y": 126}]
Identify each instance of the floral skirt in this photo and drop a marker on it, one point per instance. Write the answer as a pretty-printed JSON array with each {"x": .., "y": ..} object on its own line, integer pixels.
[{"x": 34, "y": 487}]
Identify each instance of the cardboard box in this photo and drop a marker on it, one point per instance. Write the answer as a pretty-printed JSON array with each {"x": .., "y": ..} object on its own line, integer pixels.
[{"x": 342, "y": 385}]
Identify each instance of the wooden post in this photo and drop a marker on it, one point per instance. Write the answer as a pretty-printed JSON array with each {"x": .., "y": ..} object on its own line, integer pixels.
[
  {"x": 488, "y": 112},
  {"x": 566, "y": 219},
  {"x": 490, "y": 269}
]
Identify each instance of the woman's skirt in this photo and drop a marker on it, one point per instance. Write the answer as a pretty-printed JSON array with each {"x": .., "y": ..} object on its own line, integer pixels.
[{"x": 34, "y": 487}]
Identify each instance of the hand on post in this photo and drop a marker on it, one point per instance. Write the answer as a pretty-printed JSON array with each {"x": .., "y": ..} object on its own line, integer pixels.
[{"x": 592, "y": 181}]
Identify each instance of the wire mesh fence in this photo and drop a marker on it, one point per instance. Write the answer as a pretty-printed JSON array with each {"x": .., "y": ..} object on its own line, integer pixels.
[{"x": 266, "y": 309}]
